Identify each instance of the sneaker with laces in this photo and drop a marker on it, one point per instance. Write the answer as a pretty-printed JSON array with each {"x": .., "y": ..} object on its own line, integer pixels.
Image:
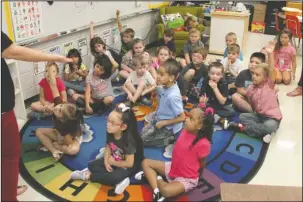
[
  {"x": 140, "y": 176},
  {"x": 146, "y": 101},
  {"x": 122, "y": 186},
  {"x": 158, "y": 197}
]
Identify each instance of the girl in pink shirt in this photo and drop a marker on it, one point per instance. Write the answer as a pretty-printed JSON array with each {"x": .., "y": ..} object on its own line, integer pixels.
[
  {"x": 163, "y": 54},
  {"x": 285, "y": 58},
  {"x": 182, "y": 173}
]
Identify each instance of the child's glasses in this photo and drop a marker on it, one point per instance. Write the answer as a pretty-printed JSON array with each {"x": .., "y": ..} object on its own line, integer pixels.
[{"x": 113, "y": 123}]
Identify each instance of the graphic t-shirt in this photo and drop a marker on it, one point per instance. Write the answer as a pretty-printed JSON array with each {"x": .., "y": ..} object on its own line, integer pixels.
[
  {"x": 100, "y": 87},
  {"x": 76, "y": 77},
  {"x": 119, "y": 150}
]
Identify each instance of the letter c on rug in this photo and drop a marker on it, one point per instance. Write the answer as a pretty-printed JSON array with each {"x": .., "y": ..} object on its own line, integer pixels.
[
  {"x": 76, "y": 188},
  {"x": 111, "y": 193},
  {"x": 235, "y": 167},
  {"x": 251, "y": 149}
]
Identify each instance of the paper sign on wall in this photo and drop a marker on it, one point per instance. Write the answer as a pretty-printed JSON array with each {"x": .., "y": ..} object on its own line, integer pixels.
[
  {"x": 54, "y": 50},
  {"x": 82, "y": 46},
  {"x": 116, "y": 35},
  {"x": 124, "y": 26},
  {"x": 39, "y": 67},
  {"x": 106, "y": 37},
  {"x": 67, "y": 46},
  {"x": 26, "y": 17}
]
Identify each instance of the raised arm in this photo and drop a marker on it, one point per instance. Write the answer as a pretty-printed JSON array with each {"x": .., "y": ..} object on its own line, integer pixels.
[
  {"x": 91, "y": 29},
  {"x": 271, "y": 63},
  {"x": 119, "y": 21}
]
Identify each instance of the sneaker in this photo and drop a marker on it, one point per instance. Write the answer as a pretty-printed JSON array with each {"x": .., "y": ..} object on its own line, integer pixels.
[
  {"x": 238, "y": 127},
  {"x": 122, "y": 186},
  {"x": 140, "y": 175},
  {"x": 223, "y": 123},
  {"x": 146, "y": 102},
  {"x": 35, "y": 115},
  {"x": 158, "y": 197},
  {"x": 267, "y": 138},
  {"x": 79, "y": 175},
  {"x": 70, "y": 92}
]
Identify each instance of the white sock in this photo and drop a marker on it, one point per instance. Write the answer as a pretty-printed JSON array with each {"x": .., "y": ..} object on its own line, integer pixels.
[
  {"x": 156, "y": 190},
  {"x": 159, "y": 177}
]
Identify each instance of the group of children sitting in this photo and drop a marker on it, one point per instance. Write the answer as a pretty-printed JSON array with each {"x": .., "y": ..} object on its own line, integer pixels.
[{"x": 209, "y": 84}]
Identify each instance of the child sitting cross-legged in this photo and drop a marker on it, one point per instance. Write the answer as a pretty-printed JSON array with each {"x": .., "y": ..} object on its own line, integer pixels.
[
  {"x": 123, "y": 153},
  {"x": 188, "y": 158},
  {"x": 193, "y": 42},
  {"x": 140, "y": 82},
  {"x": 266, "y": 116},
  {"x": 65, "y": 136},
  {"x": 45, "y": 104},
  {"x": 214, "y": 94},
  {"x": 194, "y": 73},
  {"x": 99, "y": 93},
  {"x": 167, "y": 122},
  {"x": 232, "y": 65}
]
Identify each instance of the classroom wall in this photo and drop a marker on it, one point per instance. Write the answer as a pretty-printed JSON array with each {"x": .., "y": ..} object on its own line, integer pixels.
[{"x": 141, "y": 24}]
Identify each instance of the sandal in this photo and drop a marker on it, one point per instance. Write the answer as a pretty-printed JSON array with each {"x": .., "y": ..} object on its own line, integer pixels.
[
  {"x": 57, "y": 155},
  {"x": 21, "y": 189},
  {"x": 296, "y": 92}
]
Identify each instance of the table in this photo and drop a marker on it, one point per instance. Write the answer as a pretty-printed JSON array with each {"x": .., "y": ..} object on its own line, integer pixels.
[{"x": 248, "y": 192}]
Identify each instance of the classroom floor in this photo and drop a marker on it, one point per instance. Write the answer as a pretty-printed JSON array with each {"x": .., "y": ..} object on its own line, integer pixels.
[{"x": 283, "y": 163}]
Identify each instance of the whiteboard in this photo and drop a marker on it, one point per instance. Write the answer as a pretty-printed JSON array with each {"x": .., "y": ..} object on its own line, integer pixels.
[{"x": 66, "y": 15}]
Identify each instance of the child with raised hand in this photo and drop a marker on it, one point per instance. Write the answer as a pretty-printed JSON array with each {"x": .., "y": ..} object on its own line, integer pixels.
[
  {"x": 193, "y": 42},
  {"x": 244, "y": 80},
  {"x": 285, "y": 58},
  {"x": 163, "y": 53},
  {"x": 140, "y": 82},
  {"x": 99, "y": 94},
  {"x": 232, "y": 65},
  {"x": 214, "y": 94},
  {"x": 231, "y": 38},
  {"x": 75, "y": 73},
  {"x": 65, "y": 136},
  {"x": 194, "y": 73},
  {"x": 188, "y": 158},
  {"x": 98, "y": 49},
  {"x": 43, "y": 107},
  {"x": 266, "y": 116},
  {"x": 170, "y": 114},
  {"x": 123, "y": 153},
  {"x": 168, "y": 41},
  {"x": 127, "y": 65},
  {"x": 127, "y": 36}
]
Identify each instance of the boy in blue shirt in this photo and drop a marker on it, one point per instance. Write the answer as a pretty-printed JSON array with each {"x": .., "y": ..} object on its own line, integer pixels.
[{"x": 169, "y": 116}]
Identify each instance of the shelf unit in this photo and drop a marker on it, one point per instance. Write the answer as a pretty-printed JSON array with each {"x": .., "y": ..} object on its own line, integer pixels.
[{"x": 19, "y": 100}]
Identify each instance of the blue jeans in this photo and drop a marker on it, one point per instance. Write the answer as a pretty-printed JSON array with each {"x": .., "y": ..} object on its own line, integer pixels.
[
  {"x": 256, "y": 125},
  {"x": 78, "y": 86}
]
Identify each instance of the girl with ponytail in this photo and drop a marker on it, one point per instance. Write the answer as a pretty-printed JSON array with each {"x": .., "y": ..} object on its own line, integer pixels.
[{"x": 182, "y": 173}]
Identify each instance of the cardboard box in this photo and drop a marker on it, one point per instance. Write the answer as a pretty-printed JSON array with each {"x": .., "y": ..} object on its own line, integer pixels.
[{"x": 257, "y": 27}]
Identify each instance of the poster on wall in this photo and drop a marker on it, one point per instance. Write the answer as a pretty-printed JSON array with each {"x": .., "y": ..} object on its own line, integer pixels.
[
  {"x": 106, "y": 37},
  {"x": 67, "y": 46},
  {"x": 82, "y": 46},
  {"x": 116, "y": 35},
  {"x": 39, "y": 67},
  {"x": 27, "y": 19},
  {"x": 54, "y": 50}
]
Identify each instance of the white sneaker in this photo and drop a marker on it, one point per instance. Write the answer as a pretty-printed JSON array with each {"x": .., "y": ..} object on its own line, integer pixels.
[
  {"x": 267, "y": 138},
  {"x": 122, "y": 186},
  {"x": 139, "y": 175}
]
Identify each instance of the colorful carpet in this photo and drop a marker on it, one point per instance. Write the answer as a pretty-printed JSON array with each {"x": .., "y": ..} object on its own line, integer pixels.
[{"x": 234, "y": 158}]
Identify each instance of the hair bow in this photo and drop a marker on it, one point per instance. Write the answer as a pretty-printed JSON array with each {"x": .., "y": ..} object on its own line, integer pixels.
[
  {"x": 209, "y": 110},
  {"x": 123, "y": 107}
]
